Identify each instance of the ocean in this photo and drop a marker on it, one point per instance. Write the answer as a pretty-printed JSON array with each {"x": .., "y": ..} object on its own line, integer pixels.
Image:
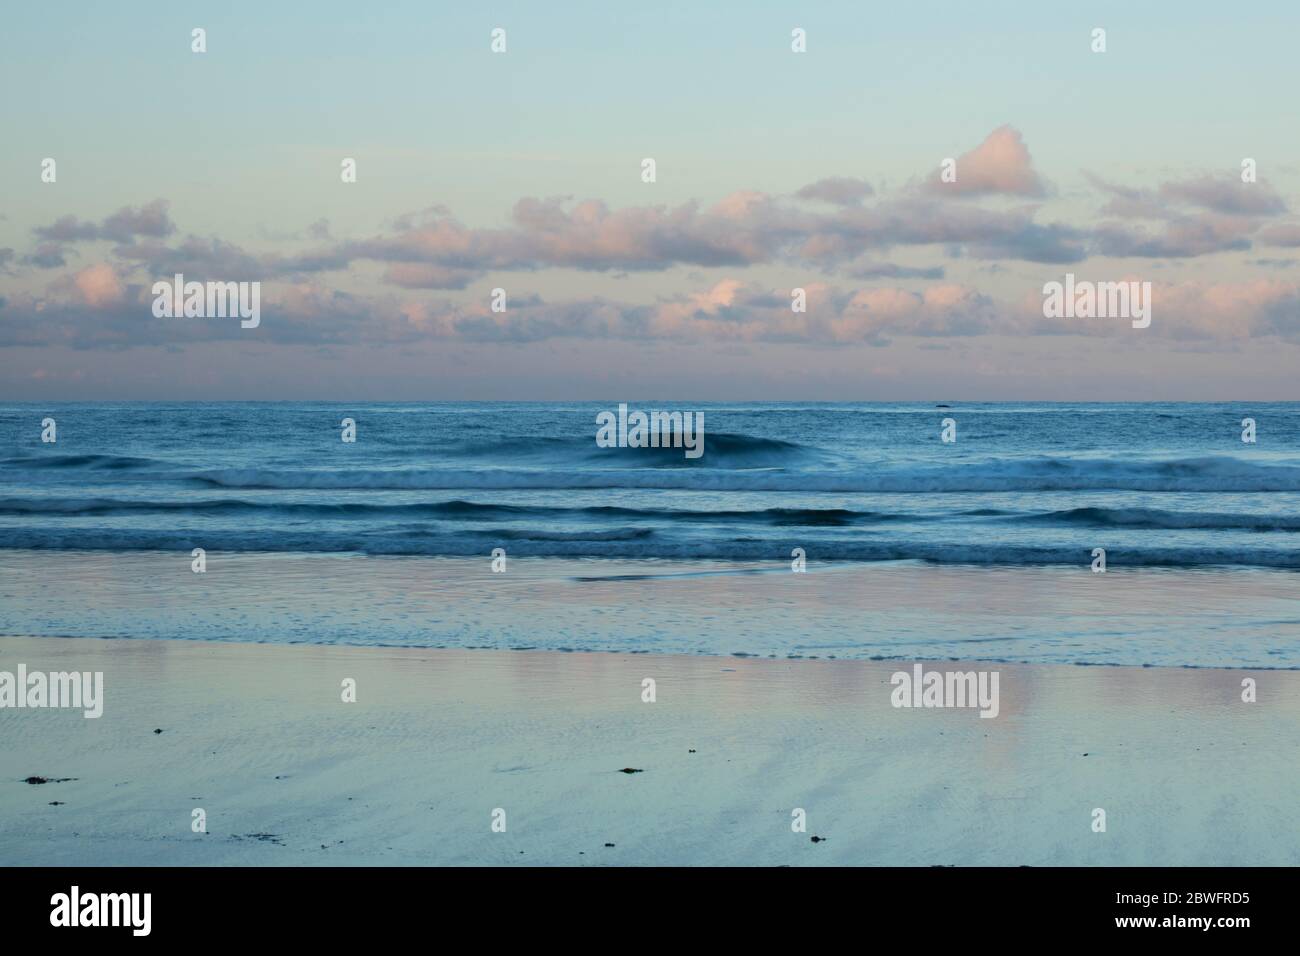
[{"x": 881, "y": 509}]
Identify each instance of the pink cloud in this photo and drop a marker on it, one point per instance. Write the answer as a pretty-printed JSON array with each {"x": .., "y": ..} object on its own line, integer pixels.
[
  {"x": 98, "y": 285},
  {"x": 1000, "y": 164}
]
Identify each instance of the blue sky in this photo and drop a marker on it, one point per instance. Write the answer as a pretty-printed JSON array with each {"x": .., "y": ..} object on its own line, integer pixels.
[{"x": 242, "y": 145}]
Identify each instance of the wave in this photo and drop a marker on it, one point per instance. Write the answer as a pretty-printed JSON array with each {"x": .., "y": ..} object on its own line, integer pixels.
[
  {"x": 637, "y": 543},
  {"x": 1158, "y": 519},
  {"x": 458, "y": 509},
  {"x": 732, "y": 462},
  {"x": 722, "y": 450},
  {"x": 455, "y": 509},
  {"x": 95, "y": 462},
  {"x": 1213, "y": 474}
]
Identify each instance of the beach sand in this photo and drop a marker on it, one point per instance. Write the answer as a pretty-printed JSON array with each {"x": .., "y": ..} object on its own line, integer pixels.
[{"x": 258, "y": 736}]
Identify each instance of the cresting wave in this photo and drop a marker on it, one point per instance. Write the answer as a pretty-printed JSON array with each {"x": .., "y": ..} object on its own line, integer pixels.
[
  {"x": 725, "y": 450},
  {"x": 733, "y": 463},
  {"x": 452, "y": 510}
]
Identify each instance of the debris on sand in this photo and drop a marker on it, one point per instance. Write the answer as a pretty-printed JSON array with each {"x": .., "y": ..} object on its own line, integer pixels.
[
  {"x": 36, "y": 780},
  {"x": 260, "y": 837}
]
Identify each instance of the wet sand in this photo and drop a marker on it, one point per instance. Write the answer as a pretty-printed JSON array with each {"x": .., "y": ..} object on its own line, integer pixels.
[{"x": 411, "y": 773}]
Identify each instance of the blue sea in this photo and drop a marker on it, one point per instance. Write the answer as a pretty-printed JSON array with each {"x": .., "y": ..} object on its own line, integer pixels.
[{"x": 869, "y": 492}]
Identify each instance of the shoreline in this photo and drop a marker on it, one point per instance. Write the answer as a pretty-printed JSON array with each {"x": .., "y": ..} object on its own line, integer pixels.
[
  {"x": 707, "y": 655},
  {"x": 257, "y": 735},
  {"x": 893, "y": 611}
]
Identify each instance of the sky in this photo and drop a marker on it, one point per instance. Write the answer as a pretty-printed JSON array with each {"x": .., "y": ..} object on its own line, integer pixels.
[{"x": 775, "y": 170}]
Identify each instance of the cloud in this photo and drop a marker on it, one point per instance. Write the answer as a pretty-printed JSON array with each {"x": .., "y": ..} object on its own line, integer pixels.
[
  {"x": 1182, "y": 238},
  {"x": 430, "y": 249},
  {"x": 47, "y": 255},
  {"x": 1237, "y": 310},
  {"x": 742, "y": 229},
  {"x": 984, "y": 233},
  {"x": 214, "y": 259},
  {"x": 417, "y": 275},
  {"x": 832, "y": 227},
  {"x": 1185, "y": 311},
  {"x": 1200, "y": 216},
  {"x": 98, "y": 285},
  {"x": 1127, "y": 202},
  {"x": 151, "y": 220},
  {"x": 837, "y": 190},
  {"x": 888, "y": 270},
  {"x": 1227, "y": 195},
  {"x": 1000, "y": 165},
  {"x": 745, "y": 228},
  {"x": 96, "y": 309},
  {"x": 1284, "y": 234}
]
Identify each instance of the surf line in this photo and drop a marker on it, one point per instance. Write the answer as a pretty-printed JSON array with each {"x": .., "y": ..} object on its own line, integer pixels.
[{"x": 653, "y": 430}]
